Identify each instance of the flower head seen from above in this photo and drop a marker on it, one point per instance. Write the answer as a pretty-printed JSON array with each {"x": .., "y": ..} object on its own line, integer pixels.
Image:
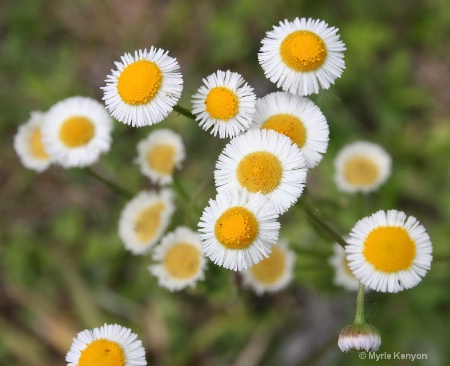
[
  {"x": 359, "y": 337},
  {"x": 297, "y": 118},
  {"x": 263, "y": 162},
  {"x": 160, "y": 154},
  {"x": 144, "y": 88},
  {"x": 343, "y": 275},
  {"x": 361, "y": 167},
  {"x": 238, "y": 229},
  {"x": 302, "y": 56},
  {"x": 389, "y": 252},
  {"x": 108, "y": 345},
  {"x": 76, "y": 131},
  {"x": 144, "y": 219},
  {"x": 181, "y": 260},
  {"x": 225, "y": 104},
  {"x": 28, "y": 143},
  {"x": 273, "y": 273}
]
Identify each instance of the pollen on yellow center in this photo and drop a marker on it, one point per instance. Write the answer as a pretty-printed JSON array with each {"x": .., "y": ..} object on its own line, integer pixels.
[
  {"x": 182, "y": 261},
  {"x": 222, "y": 103},
  {"x": 303, "y": 51},
  {"x": 259, "y": 171},
  {"x": 236, "y": 228},
  {"x": 36, "y": 146},
  {"x": 389, "y": 249},
  {"x": 271, "y": 269},
  {"x": 288, "y": 125},
  {"x": 76, "y": 131},
  {"x": 139, "y": 82},
  {"x": 148, "y": 222},
  {"x": 361, "y": 171},
  {"x": 102, "y": 352},
  {"x": 161, "y": 158}
]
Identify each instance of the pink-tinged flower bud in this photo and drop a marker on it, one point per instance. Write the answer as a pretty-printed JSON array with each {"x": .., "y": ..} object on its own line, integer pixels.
[{"x": 359, "y": 337}]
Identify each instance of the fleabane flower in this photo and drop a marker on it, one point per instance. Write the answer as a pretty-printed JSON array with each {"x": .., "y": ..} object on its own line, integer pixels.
[
  {"x": 28, "y": 143},
  {"x": 343, "y": 275},
  {"x": 273, "y": 273},
  {"x": 108, "y": 345},
  {"x": 225, "y": 104},
  {"x": 388, "y": 251},
  {"x": 143, "y": 88},
  {"x": 302, "y": 56},
  {"x": 238, "y": 229},
  {"x": 297, "y": 118},
  {"x": 76, "y": 131},
  {"x": 180, "y": 258},
  {"x": 359, "y": 337},
  {"x": 263, "y": 162},
  {"x": 144, "y": 219},
  {"x": 160, "y": 154},
  {"x": 361, "y": 167}
]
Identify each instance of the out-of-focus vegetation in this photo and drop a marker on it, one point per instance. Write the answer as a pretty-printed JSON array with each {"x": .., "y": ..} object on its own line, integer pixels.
[{"x": 62, "y": 265}]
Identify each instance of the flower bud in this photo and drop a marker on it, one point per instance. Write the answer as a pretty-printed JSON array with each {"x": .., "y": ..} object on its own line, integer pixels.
[{"x": 359, "y": 337}]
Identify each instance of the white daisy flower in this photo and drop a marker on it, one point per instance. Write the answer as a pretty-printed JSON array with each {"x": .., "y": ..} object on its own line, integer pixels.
[
  {"x": 237, "y": 229},
  {"x": 76, "y": 131},
  {"x": 225, "y": 104},
  {"x": 389, "y": 252},
  {"x": 361, "y": 167},
  {"x": 160, "y": 154},
  {"x": 343, "y": 275},
  {"x": 302, "y": 56},
  {"x": 143, "y": 89},
  {"x": 297, "y": 118},
  {"x": 273, "y": 273},
  {"x": 263, "y": 161},
  {"x": 144, "y": 219},
  {"x": 181, "y": 261},
  {"x": 28, "y": 144},
  {"x": 108, "y": 345}
]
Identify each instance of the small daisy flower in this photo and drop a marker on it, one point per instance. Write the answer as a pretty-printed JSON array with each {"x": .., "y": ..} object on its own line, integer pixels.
[
  {"x": 343, "y": 275},
  {"x": 359, "y": 337},
  {"x": 28, "y": 144},
  {"x": 273, "y": 273},
  {"x": 297, "y": 118},
  {"x": 76, "y": 131},
  {"x": 237, "y": 229},
  {"x": 225, "y": 104},
  {"x": 302, "y": 56},
  {"x": 361, "y": 167},
  {"x": 143, "y": 89},
  {"x": 108, "y": 345},
  {"x": 160, "y": 154},
  {"x": 181, "y": 261},
  {"x": 389, "y": 252},
  {"x": 263, "y": 161},
  {"x": 144, "y": 219}
]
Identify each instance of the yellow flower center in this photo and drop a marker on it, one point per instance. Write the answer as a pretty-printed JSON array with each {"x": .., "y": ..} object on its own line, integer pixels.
[
  {"x": 161, "y": 158},
  {"x": 76, "y": 131},
  {"x": 287, "y": 125},
  {"x": 361, "y": 171},
  {"x": 389, "y": 249},
  {"x": 270, "y": 269},
  {"x": 259, "y": 171},
  {"x": 36, "y": 146},
  {"x": 139, "y": 82},
  {"x": 236, "y": 228},
  {"x": 102, "y": 352},
  {"x": 148, "y": 222},
  {"x": 303, "y": 51},
  {"x": 222, "y": 103},
  {"x": 182, "y": 261}
]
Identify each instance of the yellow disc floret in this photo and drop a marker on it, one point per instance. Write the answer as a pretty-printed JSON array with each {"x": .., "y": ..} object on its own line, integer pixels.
[
  {"x": 76, "y": 131},
  {"x": 139, "y": 82},
  {"x": 303, "y": 51},
  {"x": 259, "y": 171},
  {"x": 161, "y": 158},
  {"x": 389, "y": 249},
  {"x": 102, "y": 352},
  {"x": 288, "y": 125},
  {"x": 361, "y": 171},
  {"x": 222, "y": 103},
  {"x": 36, "y": 146},
  {"x": 236, "y": 228},
  {"x": 182, "y": 261},
  {"x": 148, "y": 222},
  {"x": 270, "y": 269}
]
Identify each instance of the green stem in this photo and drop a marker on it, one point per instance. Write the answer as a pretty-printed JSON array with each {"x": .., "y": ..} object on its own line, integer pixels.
[
  {"x": 115, "y": 187},
  {"x": 359, "y": 317},
  {"x": 180, "y": 189},
  {"x": 183, "y": 111}
]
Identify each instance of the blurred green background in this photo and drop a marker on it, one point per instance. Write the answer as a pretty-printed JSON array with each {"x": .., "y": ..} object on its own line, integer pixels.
[{"x": 62, "y": 265}]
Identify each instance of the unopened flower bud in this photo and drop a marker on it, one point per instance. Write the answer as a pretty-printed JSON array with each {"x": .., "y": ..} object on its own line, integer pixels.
[{"x": 359, "y": 337}]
